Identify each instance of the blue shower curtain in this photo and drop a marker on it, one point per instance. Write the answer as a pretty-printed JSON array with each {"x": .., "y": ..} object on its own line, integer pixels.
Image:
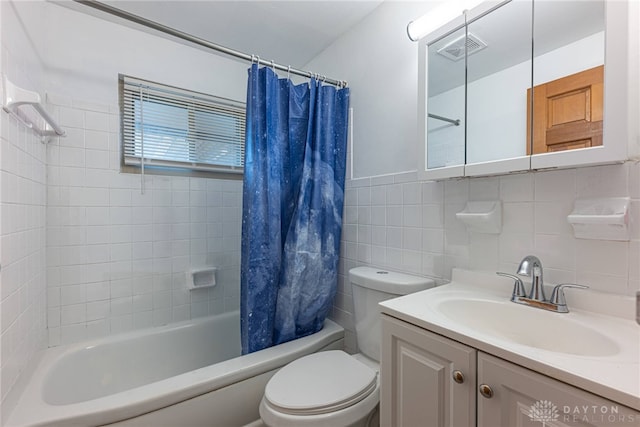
[{"x": 295, "y": 157}]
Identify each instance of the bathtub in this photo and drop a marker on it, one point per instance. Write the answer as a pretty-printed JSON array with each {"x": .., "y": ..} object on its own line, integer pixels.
[{"x": 184, "y": 374}]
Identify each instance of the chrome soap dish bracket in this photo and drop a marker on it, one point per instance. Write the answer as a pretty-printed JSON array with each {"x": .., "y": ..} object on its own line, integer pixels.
[{"x": 14, "y": 97}]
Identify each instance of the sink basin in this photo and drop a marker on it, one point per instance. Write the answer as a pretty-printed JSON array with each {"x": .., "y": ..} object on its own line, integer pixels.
[{"x": 528, "y": 326}]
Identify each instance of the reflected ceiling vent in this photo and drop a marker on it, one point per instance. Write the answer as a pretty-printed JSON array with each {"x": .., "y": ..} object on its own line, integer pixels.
[{"x": 455, "y": 49}]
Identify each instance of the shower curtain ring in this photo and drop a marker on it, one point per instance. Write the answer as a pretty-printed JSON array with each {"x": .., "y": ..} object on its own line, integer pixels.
[
  {"x": 288, "y": 72},
  {"x": 273, "y": 66}
]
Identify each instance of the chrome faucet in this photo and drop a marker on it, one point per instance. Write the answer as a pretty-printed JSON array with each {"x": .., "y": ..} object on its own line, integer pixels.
[{"x": 531, "y": 266}]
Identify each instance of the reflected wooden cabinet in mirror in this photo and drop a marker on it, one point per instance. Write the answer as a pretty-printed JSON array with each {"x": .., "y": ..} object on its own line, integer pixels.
[{"x": 567, "y": 113}]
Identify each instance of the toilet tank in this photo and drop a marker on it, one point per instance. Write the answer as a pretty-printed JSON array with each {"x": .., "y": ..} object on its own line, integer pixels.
[{"x": 370, "y": 286}]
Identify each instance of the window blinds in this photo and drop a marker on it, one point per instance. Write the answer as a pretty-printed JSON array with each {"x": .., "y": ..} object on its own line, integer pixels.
[{"x": 171, "y": 127}]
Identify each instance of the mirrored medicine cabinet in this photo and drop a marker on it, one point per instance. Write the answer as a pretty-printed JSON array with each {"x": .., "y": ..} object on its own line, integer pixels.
[{"x": 527, "y": 84}]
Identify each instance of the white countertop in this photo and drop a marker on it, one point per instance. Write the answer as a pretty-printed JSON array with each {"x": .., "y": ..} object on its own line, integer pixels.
[{"x": 615, "y": 376}]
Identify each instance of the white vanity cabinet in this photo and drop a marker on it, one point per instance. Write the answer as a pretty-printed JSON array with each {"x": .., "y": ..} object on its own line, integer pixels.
[{"x": 418, "y": 388}]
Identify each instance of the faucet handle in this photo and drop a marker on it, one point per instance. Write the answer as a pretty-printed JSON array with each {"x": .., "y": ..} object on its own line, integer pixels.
[
  {"x": 518, "y": 286},
  {"x": 557, "y": 295}
]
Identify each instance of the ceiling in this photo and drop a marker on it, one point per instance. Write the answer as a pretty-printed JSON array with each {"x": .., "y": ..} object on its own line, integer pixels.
[{"x": 288, "y": 32}]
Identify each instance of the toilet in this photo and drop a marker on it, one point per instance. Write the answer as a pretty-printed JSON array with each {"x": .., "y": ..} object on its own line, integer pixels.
[{"x": 333, "y": 388}]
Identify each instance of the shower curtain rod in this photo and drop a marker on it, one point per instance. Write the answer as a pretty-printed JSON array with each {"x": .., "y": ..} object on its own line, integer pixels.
[{"x": 205, "y": 43}]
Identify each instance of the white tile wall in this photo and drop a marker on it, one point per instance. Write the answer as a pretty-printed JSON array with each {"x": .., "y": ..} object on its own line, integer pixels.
[
  {"x": 22, "y": 212},
  {"x": 405, "y": 225},
  {"x": 117, "y": 257},
  {"x": 22, "y": 249}
]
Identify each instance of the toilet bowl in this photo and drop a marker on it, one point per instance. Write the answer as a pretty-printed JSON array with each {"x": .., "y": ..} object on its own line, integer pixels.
[
  {"x": 330, "y": 388},
  {"x": 333, "y": 388}
]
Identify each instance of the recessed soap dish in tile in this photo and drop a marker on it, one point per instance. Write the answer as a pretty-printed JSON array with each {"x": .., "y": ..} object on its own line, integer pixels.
[
  {"x": 201, "y": 278},
  {"x": 482, "y": 216}
]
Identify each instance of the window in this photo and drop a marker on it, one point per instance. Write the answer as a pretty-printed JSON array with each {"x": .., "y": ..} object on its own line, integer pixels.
[{"x": 171, "y": 127}]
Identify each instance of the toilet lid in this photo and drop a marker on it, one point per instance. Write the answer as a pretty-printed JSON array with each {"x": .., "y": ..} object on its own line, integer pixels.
[{"x": 319, "y": 383}]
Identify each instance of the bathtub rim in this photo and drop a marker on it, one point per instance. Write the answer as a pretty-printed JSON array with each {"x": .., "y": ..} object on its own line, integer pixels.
[{"x": 32, "y": 410}]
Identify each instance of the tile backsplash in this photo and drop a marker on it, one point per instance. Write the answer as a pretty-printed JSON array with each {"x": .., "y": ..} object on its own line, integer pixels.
[
  {"x": 117, "y": 256},
  {"x": 403, "y": 224}
]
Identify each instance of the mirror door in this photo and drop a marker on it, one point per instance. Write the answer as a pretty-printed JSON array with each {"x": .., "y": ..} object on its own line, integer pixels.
[
  {"x": 446, "y": 99},
  {"x": 499, "y": 73},
  {"x": 568, "y": 76},
  {"x": 567, "y": 123}
]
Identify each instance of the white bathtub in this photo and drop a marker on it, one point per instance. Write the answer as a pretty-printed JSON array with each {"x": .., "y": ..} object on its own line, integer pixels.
[{"x": 185, "y": 374}]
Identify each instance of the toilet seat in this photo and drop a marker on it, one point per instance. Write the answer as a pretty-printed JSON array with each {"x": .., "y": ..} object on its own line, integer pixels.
[{"x": 320, "y": 383}]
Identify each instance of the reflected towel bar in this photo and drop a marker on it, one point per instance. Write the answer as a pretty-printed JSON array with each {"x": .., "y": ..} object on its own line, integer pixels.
[{"x": 445, "y": 119}]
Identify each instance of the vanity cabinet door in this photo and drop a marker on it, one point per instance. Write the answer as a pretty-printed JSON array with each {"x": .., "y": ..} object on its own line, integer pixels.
[
  {"x": 426, "y": 379},
  {"x": 510, "y": 395}
]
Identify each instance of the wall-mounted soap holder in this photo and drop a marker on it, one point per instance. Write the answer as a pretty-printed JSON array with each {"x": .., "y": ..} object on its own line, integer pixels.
[
  {"x": 601, "y": 218},
  {"x": 482, "y": 216},
  {"x": 200, "y": 278}
]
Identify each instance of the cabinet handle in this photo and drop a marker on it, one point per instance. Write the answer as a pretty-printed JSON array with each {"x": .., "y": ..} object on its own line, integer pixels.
[
  {"x": 486, "y": 391},
  {"x": 458, "y": 376}
]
